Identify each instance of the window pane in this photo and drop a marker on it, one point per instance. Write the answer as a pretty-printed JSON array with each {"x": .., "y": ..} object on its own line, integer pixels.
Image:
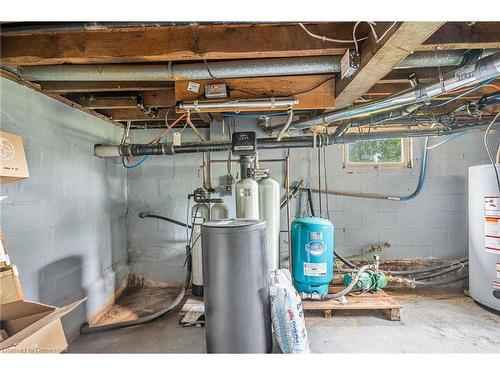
[{"x": 379, "y": 151}]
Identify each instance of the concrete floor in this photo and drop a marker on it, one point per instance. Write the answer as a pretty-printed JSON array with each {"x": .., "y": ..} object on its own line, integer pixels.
[{"x": 433, "y": 322}]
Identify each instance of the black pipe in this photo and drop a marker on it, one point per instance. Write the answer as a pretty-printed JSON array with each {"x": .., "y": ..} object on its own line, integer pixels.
[
  {"x": 441, "y": 282},
  {"x": 318, "y": 140},
  {"x": 452, "y": 268},
  {"x": 426, "y": 270},
  {"x": 143, "y": 215}
]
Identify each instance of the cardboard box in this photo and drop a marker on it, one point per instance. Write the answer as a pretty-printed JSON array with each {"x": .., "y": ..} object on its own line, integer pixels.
[
  {"x": 29, "y": 327},
  {"x": 13, "y": 164}
]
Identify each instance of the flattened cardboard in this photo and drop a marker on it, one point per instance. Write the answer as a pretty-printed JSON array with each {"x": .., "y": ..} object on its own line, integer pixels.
[{"x": 13, "y": 165}]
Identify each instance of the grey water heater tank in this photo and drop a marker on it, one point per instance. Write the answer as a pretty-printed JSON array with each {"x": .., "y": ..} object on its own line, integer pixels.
[
  {"x": 236, "y": 278},
  {"x": 484, "y": 236}
]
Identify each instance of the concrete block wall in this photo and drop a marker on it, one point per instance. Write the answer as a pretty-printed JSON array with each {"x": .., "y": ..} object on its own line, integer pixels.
[
  {"x": 65, "y": 226},
  {"x": 434, "y": 225}
]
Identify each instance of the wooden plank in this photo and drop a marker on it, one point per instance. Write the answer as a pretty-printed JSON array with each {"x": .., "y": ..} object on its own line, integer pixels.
[
  {"x": 159, "y": 99},
  {"x": 170, "y": 43},
  {"x": 366, "y": 301},
  {"x": 65, "y": 87},
  {"x": 378, "y": 60},
  {"x": 57, "y": 97},
  {"x": 320, "y": 90},
  {"x": 459, "y": 35}
]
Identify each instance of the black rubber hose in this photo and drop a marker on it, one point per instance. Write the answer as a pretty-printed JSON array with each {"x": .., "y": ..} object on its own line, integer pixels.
[
  {"x": 86, "y": 329},
  {"x": 143, "y": 215},
  {"x": 309, "y": 199},
  {"x": 454, "y": 268},
  {"x": 441, "y": 282},
  {"x": 425, "y": 270}
]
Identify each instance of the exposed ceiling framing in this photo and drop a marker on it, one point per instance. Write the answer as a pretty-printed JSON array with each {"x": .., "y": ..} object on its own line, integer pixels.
[{"x": 120, "y": 101}]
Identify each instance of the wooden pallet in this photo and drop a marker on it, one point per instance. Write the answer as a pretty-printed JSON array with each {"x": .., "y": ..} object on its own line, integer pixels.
[
  {"x": 366, "y": 301},
  {"x": 192, "y": 313}
]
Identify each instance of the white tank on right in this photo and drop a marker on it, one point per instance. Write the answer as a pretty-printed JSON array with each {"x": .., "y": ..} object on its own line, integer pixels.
[
  {"x": 269, "y": 211},
  {"x": 484, "y": 236}
]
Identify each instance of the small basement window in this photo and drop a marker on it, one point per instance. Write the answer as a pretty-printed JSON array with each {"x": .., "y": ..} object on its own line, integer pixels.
[{"x": 383, "y": 153}]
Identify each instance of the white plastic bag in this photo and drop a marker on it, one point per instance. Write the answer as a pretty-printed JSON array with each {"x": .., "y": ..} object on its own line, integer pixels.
[{"x": 287, "y": 314}]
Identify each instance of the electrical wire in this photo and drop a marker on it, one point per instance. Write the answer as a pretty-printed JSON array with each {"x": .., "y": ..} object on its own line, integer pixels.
[
  {"x": 259, "y": 94},
  {"x": 129, "y": 166},
  {"x": 326, "y": 39},
  {"x": 490, "y": 155},
  {"x": 450, "y": 138},
  {"x": 437, "y": 105}
]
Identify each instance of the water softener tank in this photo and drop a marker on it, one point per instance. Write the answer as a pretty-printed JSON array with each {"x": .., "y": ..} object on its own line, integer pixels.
[
  {"x": 219, "y": 210},
  {"x": 269, "y": 211},
  {"x": 312, "y": 254},
  {"x": 235, "y": 272},
  {"x": 199, "y": 214},
  {"x": 247, "y": 199}
]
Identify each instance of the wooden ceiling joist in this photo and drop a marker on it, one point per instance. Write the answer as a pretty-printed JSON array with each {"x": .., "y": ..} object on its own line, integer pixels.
[
  {"x": 379, "y": 59},
  {"x": 171, "y": 44},
  {"x": 313, "y": 92},
  {"x": 459, "y": 35},
  {"x": 65, "y": 87}
]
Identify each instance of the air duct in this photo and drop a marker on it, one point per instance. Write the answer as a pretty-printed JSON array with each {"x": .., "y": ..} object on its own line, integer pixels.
[
  {"x": 484, "y": 69},
  {"x": 220, "y": 69}
]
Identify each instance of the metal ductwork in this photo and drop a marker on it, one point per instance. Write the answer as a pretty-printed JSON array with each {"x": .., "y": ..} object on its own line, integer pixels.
[
  {"x": 484, "y": 69},
  {"x": 220, "y": 69},
  {"x": 179, "y": 72}
]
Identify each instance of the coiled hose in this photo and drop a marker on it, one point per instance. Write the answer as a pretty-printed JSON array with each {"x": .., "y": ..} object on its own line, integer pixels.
[{"x": 87, "y": 329}]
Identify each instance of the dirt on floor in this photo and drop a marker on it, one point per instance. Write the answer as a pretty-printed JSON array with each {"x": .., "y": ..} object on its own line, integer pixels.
[{"x": 138, "y": 301}]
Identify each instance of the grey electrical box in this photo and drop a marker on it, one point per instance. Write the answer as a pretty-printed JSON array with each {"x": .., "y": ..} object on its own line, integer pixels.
[{"x": 216, "y": 90}]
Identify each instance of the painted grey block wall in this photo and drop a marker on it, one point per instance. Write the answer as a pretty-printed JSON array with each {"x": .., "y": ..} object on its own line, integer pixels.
[
  {"x": 432, "y": 225},
  {"x": 65, "y": 226}
]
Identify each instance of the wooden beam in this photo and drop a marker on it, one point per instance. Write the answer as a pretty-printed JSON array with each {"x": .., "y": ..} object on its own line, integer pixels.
[
  {"x": 379, "y": 59},
  {"x": 459, "y": 35},
  {"x": 313, "y": 92},
  {"x": 172, "y": 43},
  {"x": 65, "y": 87},
  {"x": 158, "y": 99},
  {"x": 57, "y": 97}
]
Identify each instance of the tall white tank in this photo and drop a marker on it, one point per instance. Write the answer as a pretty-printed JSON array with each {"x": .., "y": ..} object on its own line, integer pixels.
[
  {"x": 484, "y": 236},
  {"x": 247, "y": 199},
  {"x": 199, "y": 214},
  {"x": 219, "y": 211},
  {"x": 269, "y": 211}
]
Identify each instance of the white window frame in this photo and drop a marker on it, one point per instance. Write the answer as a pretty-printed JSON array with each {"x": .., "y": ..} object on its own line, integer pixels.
[{"x": 407, "y": 160}]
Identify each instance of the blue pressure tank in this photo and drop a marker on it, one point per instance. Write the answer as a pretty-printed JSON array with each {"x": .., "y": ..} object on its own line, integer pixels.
[{"x": 312, "y": 254}]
